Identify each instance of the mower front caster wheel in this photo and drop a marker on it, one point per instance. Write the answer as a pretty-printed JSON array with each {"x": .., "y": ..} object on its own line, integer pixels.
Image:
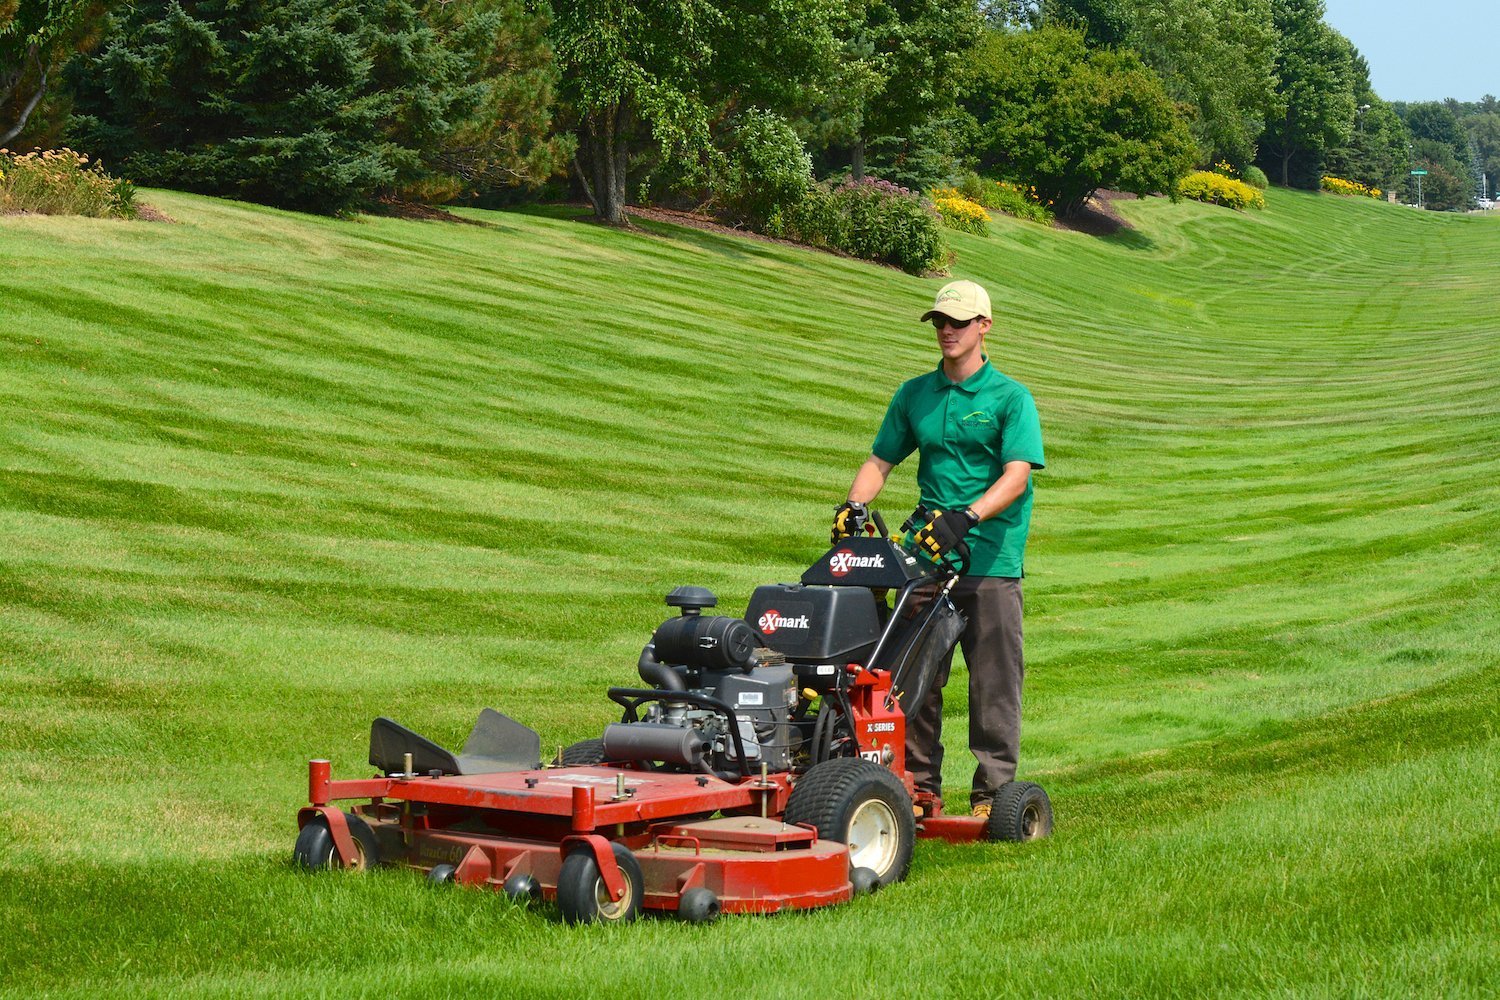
[
  {"x": 315, "y": 850},
  {"x": 582, "y": 897},
  {"x": 698, "y": 906},
  {"x": 1020, "y": 811}
]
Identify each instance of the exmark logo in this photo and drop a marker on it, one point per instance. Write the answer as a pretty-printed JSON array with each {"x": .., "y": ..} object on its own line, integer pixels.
[
  {"x": 773, "y": 620},
  {"x": 843, "y": 561}
]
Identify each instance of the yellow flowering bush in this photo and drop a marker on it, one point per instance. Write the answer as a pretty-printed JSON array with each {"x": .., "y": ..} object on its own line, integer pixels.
[
  {"x": 1352, "y": 189},
  {"x": 61, "y": 182},
  {"x": 959, "y": 212},
  {"x": 1216, "y": 189}
]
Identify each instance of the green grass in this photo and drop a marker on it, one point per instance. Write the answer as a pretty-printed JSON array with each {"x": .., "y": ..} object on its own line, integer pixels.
[{"x": 265, "y": 476}]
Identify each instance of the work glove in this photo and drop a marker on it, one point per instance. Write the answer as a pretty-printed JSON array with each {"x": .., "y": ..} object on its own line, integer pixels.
[
  {"x": 943, "y": 532},
  {"x": 848, "y": 520}
]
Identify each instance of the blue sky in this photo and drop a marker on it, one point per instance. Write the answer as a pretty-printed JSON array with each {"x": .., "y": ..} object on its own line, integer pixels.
[{"x": 1425, "y": 51}]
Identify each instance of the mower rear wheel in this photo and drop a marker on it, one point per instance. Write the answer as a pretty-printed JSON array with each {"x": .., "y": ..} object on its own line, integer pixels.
[
  {"x": 315, "y": 851},
  {"x": 583, "y": 753},
  {"x": 1020, "y": 811},
  {"x": 859, "y": 803},
  {"x": 582, "y": 897}
]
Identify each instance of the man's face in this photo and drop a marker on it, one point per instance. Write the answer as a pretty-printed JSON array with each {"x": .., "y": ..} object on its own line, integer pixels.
[{"x": 956, "y": 338}]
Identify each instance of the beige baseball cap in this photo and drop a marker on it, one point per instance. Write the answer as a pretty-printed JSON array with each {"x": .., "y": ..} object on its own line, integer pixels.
[{"x": 960, "y": 300}]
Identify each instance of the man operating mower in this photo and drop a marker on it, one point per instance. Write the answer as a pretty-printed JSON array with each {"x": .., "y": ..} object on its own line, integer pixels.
[{"x": 977, "y": 437}]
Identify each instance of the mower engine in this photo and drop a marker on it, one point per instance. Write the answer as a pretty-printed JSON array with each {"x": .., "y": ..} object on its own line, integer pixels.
[{"x": 768, "y": 667}]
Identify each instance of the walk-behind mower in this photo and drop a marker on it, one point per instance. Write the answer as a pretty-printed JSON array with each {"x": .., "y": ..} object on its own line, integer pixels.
[{"x": 762, "y": 767}]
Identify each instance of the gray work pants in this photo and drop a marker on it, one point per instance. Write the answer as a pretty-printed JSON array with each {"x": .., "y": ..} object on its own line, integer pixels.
[{"x": 992, "y": 648}]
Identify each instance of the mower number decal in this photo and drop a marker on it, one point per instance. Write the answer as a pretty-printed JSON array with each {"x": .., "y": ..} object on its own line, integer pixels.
[{"x": 871, "y": 755}]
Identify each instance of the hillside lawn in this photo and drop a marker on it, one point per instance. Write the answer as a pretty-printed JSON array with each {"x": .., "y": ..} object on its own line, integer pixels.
[{"x": 265, "y": 476}]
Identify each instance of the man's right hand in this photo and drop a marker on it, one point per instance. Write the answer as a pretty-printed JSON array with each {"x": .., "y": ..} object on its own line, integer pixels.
[{"x": 848, "y": 520}]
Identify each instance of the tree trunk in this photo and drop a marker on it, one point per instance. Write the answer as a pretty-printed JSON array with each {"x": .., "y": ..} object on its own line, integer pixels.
[
  {"x": 1286, "y": 168},
  {"x": 608, "y": 165},
  {"x": 41, "y": 88},
  {"x": 857, "y": 160}
]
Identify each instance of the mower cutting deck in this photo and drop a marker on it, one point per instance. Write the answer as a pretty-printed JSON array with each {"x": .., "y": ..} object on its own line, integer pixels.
[{"x": 764, "y": 769}]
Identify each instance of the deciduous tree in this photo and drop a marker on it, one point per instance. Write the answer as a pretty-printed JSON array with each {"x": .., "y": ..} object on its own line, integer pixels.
[
  {"x": 1218, "y": 56},
  {"x": 1069, "y": 120},
  {"x": 1313, "y": 108},
  {"x": 663, "y": 71}
]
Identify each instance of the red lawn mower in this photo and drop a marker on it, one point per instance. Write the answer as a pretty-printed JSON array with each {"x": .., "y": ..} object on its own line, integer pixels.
[{"x": 761, "y": 769}]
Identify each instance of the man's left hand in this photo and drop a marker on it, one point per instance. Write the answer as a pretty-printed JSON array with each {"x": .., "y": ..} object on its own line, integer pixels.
[{"x": 942, "y": 534}]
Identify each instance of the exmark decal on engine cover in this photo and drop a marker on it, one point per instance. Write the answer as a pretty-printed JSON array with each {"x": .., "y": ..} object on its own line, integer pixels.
[
  {"x": 773, "y": 620},
  {"x": 842, "y": 561}
]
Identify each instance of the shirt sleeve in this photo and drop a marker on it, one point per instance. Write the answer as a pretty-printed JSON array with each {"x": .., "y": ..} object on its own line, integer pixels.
[
  {"x": 1021, "y": 434},
  {"x": 896, "y": 439}
]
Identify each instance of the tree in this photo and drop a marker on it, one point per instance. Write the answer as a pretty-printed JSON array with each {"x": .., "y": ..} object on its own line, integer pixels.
[
  {"x": 1069, "y": 120},
  {"x": 900, "y": 73},
  {"x": 1313, "y": 108},
  {"x": 500, "y": 130},
  {"x": 1447, "y": 186},
  {"x": 1377, "y": 152},
  {"x": 1435, "y": 120},
  {"x": 316, "y": 105},
  {"x": 1103, "y": 22},
  {"x": 1217, "y": 56},
  {"x": 36, "y": 38},
  {"x": 663, "y": 72},
  {"x": 1484, "y": 133}
]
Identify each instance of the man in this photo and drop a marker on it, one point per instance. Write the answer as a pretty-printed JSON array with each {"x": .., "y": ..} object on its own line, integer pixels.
[{"x": 977, "y": 437}]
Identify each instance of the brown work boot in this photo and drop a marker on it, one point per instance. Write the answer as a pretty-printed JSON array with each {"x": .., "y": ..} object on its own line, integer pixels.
[{"x": 981, "y": 810}]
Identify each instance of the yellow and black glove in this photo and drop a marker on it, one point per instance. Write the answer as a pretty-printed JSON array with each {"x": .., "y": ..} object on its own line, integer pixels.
[
  {"x": 848, "y": 520},
  {"x": 943, "y": 532}
]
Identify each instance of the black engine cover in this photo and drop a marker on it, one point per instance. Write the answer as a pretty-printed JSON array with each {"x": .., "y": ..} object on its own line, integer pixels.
[{"x": 822, "y": 624}]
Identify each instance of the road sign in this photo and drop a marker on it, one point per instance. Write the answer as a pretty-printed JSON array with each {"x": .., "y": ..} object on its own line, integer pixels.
[{"x": 1419, "y": 173}]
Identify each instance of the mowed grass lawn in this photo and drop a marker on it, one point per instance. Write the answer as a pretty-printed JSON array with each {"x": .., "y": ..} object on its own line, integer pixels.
[{"x": 265, "y": 476}]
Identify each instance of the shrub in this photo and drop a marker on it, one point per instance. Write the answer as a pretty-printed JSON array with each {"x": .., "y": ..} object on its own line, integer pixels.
[
  {"x": 1352, "y": 189},
  {"x": 958, "y": 212},
  {"x": 1216, "y": 189},
  {"x": 1012, "y": 199},
  {"x": 769, "y": 169},
  {"x": 61, "y": 182},
  {"x": 1256, "y": 178},
  {"x": 871, "y": 219}
]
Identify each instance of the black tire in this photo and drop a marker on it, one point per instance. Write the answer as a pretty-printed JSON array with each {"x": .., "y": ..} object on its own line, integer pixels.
[
  {"x": 314, "y": 850},
  {"x": 580, "y": 889},
  {"x": 850, "y": 797},
  {"x": 583, "y": 753},
  {"x": 698, "y": 906},
  {"x": 1020, "y": 811}
]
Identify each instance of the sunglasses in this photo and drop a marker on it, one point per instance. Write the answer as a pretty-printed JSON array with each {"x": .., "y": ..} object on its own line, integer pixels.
[{"x": 938, "y": 322}]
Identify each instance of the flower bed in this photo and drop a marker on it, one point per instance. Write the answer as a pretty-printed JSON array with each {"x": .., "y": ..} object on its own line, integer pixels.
[
  {"x": 1351, "y": 189},
  {"x": 959, "y": 212}
]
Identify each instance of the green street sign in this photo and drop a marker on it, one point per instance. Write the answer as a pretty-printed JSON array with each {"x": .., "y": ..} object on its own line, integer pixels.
[{"x": 1419, "y": 173}]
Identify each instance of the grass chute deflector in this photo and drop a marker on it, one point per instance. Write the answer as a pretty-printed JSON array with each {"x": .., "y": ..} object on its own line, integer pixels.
[{"x": 763, "y": 767}]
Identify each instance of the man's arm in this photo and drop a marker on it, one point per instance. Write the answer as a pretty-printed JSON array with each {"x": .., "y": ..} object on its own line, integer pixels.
[
  {"x": 1000, "y": 495},
  {"x": 870, "y": 480}
]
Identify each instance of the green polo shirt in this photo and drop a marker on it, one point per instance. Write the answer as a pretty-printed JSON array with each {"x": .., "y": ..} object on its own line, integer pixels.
[{"x": 964, "y": 433}]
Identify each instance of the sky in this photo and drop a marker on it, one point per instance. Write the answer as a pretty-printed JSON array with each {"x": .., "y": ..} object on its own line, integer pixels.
[{"x": 1425, "y": 51}]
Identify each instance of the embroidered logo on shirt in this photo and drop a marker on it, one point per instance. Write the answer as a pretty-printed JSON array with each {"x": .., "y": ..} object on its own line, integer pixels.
[{"x": 978, "y": 418}]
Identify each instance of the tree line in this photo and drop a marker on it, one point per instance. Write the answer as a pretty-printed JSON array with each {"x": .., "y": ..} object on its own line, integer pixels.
[{"x": 330, "y": 105}]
